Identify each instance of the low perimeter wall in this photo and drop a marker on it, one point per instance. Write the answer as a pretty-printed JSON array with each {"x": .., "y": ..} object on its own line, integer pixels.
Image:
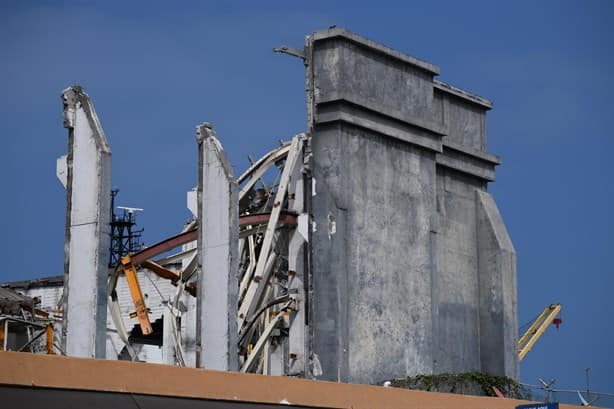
[{"x": 28, "y": 380}]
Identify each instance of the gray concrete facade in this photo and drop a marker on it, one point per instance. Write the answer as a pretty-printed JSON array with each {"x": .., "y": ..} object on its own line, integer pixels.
[
  {"x": 498, "y": 301},
  {"x": 86, "y": 173},
  {"x": 412, "y": 269},
  {"x": 218, "y": 238}
]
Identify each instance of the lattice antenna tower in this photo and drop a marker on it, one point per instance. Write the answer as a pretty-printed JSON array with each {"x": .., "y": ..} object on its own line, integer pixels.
[{"x": 125, "y": 238}]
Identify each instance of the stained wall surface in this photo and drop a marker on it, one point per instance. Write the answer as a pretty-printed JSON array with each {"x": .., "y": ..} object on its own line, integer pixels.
[
  {"x": 407, "y": 275},
  {"x": 86, "y": 248},
  {"x": 218, "y": 237}
]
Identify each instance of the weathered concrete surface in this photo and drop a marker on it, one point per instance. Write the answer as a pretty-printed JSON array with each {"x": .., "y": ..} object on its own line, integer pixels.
[
  {"x": 297, "y": 246},
  {"x": 88, "y": 188},
  {"x": 372, "y": 297},
  {"x": 189, "y": 317},
  {"x": 396, "y": 252},
  {"x": 218, "y": 238},
  {"x": 498, "y": 299},
  {"x": 455, "y": 281}
]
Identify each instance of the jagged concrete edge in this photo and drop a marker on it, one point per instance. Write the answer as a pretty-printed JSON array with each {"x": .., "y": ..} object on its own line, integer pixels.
[
  {"x": 78, "y": 95},
  {"x": 205, "y": 131}
]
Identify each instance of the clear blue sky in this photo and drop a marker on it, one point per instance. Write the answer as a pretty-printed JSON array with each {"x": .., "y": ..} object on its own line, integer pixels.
[{"x": 155, "y": 70}]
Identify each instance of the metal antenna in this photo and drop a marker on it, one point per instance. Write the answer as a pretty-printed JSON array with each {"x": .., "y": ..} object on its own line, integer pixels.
[
  {"x": 547, "y": 388},
  {"x": 588, "y": 390},
  {"x": 130, "y": 209},
  {"x": 124, "y": 238},
  {"x": 284, "y": 49}
]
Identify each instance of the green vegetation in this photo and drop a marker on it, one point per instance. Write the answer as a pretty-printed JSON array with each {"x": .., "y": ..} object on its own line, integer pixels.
[{"x": 468, "y": 383}]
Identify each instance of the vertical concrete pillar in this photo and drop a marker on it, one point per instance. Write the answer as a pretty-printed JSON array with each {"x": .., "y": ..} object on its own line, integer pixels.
[
  {"x": 87, "y": 180},
  {"x": 168, "y": 340},
  {"x": 218, "y": 240},
  {"x": 188, "y": 331},
  {"x": 498, "y": 293},
  {"x": 373, "y": 162},
  {"x": 189, "y": 315},
  {"x": 297, "y": 359}
]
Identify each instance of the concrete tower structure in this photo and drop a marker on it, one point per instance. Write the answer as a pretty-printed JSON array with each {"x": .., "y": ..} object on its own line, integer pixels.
[{"x": 413, "y": 271}]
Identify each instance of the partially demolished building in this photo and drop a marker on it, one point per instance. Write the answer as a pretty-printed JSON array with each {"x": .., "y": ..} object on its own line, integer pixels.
[{"x": 367, "y": 248}]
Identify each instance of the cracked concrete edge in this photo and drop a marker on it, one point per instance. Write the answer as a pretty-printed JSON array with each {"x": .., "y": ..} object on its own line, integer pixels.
[
  {"x": 73, "y": 98},
  {"x": 205, "y": 132}
]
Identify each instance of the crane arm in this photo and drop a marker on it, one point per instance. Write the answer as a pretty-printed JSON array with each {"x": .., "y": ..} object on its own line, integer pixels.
[{"x": 536, "y": 330}]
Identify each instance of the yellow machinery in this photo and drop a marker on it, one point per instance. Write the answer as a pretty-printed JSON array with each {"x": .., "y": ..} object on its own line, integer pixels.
[
  {"x": 537, "y": 328},
  {"x": 137, "y": 296},
  {"x": 128, "y": 264}
]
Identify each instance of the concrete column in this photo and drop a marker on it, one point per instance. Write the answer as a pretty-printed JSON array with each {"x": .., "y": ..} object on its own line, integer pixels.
[
  {"x": 189, "y": 315},
  {"x": 87, "y": 178},
  {"x": 297, "y": 359},
  {"x": 373, "y": 199},
  {"x": 188, "y": 331},
  {"x": 188, "y": 305},
  {"x": 498, "y": 294},
  {"x": 218, "y": 240},
  {"x": 168, "y": 340}
]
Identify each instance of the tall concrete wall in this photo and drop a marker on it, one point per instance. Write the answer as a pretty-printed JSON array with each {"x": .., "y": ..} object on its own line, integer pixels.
[
  {"x": 86, "y": 174},
  {"x": 398, "y": 247},
  {"x": 366, "y": 301},
  {"x": 218, "y": 238},
  {"x": 455, "y": 283}
]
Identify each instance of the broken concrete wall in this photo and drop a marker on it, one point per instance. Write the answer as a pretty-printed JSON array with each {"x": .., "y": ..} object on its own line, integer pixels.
[
  {"x": 88, "y": 188},
  {"x": 297, "y": 248},
  {"x": 218, "y": 238},
  {"x": 396, "y": 270},
  {"x": 189, "y": 318}
]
